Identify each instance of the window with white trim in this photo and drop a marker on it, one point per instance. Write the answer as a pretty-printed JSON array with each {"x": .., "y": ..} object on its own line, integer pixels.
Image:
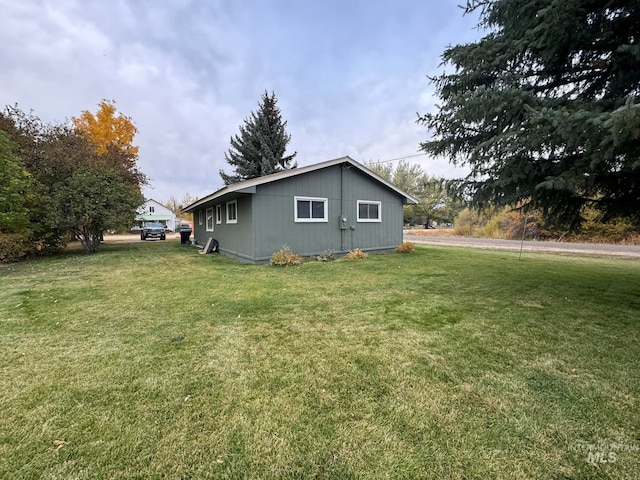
[
  {"x": 310, "y": 209},
  {"x": 210, "y": 219},
  {"x": 232, "y": 211},
  {"x": 199, "y": 217},
  {"x": 369, "y": 211},
  {"x": 151, "y": 209},
  {"x": 218, "y": 214}
]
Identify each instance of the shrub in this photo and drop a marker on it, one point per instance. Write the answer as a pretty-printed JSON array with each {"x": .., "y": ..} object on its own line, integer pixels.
[
  {"x": 406, "y": 247},
  {"x": 596, "y": 229},
  {"x": 467, "y": 221},
  {"x": 492, "y": 227},
  {"x": 285, "y": 257},
  {"x": 357, "y": 253},
  {"x": 512, "y": 225},
  {"x": 325, "y": 256},
  {"x": 494, "y": 223},
  {"x": 13, "y": 247}
]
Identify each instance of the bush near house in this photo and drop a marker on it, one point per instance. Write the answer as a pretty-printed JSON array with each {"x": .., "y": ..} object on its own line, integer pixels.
[
  {"x": 357, "y": 253},
  {"x": 285, "y": 257},
  {"x": 406, "y": 247},
  {"x": 326, "y": 256}
]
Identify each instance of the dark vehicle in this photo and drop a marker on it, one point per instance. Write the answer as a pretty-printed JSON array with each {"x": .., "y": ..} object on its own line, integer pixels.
[{"x": 153, "y": 230}]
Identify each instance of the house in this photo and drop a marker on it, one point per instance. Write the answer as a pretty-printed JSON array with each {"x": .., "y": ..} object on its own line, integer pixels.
[
  {"x": 152, "y": 211},
  {"x": 336, "y": 205}
]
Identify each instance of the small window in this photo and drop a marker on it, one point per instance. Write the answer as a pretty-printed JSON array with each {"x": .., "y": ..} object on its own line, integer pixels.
[
  {"x": 210, "y": 219},
  {"x": 369, "y": 211},
  {"x": 218, "y": 214},
  {"x": 309, "y": 209},
  {"x": 199, "y": 217},
  {"x": 232, "y": 211},
  {"x": 151, "y": 209}
]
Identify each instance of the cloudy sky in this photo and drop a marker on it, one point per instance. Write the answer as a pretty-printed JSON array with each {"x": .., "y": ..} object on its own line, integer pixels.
[{"x": 349, "y": 75}]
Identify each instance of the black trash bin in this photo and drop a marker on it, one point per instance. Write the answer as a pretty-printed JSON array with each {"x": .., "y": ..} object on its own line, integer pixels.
[{"x": 185, "y": 234}]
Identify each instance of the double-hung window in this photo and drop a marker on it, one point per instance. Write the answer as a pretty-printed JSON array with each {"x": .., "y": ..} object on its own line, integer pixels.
[
  {"x": 218, "y": 214},
  {"x": 369, "y": 211},
  {"x": 232, "y": 211},
  {"x": 210, "y": 219},
  {"x": 310, "y": 209}
]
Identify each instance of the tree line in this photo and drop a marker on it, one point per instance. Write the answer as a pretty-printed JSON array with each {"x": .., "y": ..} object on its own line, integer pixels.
[
  {"x": 436, "y": 204},
  {"x": 72, "y": 180}
]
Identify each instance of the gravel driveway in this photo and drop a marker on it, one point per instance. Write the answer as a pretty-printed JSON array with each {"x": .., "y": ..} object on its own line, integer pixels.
[
  {"x": 530, "y": 246},
  {"x": 132, "y": 238}
]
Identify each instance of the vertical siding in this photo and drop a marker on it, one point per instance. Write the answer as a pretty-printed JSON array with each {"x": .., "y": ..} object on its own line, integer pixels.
[
  {"x": 274, "y": 214},
  {"x": 382, "y": 235},
  {"x": 236, "y": 239},
  {"x": 266, "y": 219},
  {"x": 274, "y": 224},
  {"x": 198, "y": 230}
]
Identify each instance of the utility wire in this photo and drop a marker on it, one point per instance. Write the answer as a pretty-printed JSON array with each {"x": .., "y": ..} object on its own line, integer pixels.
[{"x": 399, "y": 158}]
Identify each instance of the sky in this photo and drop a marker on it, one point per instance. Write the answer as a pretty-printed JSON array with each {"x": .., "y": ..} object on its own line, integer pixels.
[{"x": 350, "y": 76}]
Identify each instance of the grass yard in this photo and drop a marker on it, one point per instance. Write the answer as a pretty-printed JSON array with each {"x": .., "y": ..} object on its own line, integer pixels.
[{"x": 148, "y": 360}]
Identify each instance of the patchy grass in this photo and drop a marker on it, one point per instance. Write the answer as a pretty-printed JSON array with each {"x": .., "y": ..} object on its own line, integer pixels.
[{"x": 148, "y": 360}]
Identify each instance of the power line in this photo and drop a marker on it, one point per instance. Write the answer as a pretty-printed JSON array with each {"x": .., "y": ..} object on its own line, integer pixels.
[{"x": 399, "y": 158}]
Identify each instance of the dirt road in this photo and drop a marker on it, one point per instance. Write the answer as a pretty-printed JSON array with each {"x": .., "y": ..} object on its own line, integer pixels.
[
  {"x": 530, "y": 246},
  {"x": 131, "y": 238}
]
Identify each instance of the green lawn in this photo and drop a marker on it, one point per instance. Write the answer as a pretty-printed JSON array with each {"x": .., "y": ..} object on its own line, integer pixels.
[{"x": 150, "y": 361}]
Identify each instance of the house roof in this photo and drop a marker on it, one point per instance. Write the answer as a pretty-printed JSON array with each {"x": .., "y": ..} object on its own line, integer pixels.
[
  {"x": 248, "y": 186},
  {"x": 149, "y": 200}
]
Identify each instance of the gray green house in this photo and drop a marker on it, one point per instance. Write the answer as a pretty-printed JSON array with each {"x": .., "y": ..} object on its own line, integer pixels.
[{"x": 336, "y": 205}]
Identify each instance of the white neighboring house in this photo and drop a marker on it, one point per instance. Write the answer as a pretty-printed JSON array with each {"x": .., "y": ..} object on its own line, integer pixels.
[{"x": 152, "y": 211}]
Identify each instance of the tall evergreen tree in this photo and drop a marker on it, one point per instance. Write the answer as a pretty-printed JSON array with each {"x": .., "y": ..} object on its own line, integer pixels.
[
  {"x": 545, "y": 109},
  {"x": 260, "y": 147}
]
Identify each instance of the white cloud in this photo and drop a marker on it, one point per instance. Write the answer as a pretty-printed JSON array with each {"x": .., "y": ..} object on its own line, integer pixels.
[{"x": 349, "y": 78}]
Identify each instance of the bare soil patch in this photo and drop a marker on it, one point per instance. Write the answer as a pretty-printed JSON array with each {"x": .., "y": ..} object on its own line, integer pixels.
[{"x": 132, "y": 238}]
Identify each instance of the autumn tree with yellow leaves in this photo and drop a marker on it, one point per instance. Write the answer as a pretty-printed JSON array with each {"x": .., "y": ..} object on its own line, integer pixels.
[
  {"x": 107, "y": 128},
  {"x": 112, "y": 135}
]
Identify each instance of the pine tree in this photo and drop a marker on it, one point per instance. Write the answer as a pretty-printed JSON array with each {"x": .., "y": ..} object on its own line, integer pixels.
[
  {"x": 545, "y": 109},
  {"x": 260, "y": 147}
]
